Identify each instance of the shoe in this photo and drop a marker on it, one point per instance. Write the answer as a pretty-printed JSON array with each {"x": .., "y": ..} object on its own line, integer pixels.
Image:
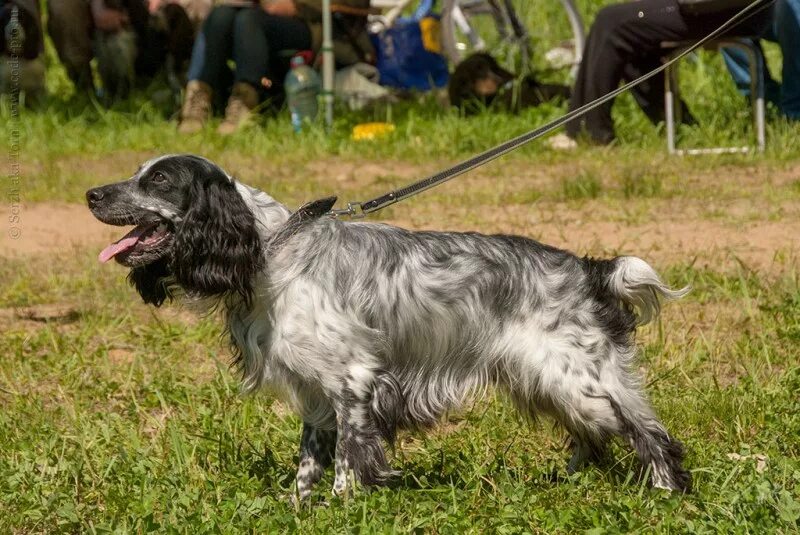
[
  {"x": 238, "y": 112},
  {"x": 196, "y": 107},
  {"x": 562, "y": 142},
  {"x": 561, "y": 56}
]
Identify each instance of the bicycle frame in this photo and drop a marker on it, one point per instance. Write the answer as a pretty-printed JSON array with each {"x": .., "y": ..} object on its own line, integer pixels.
[{"x": 512, "y": 30}]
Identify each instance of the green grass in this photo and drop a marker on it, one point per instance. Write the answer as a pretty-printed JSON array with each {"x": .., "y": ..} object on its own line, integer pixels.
[
  {"x": 125, "y": 420},
  {"x": 584, "y": 186},
  {"x": 115, "y": 417}
]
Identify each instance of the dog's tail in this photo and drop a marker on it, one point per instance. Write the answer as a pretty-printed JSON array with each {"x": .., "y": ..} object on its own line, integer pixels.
[{"x": 637, "y": 284}]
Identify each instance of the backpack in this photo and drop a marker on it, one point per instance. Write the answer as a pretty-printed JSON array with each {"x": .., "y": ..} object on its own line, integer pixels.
[{"x": 409, "y": 53}]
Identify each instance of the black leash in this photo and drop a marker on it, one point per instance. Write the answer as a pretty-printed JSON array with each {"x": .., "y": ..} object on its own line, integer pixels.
[{"x": 361, "y": 209}]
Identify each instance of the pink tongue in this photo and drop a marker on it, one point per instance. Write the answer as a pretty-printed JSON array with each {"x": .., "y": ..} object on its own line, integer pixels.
[{"x": 128, "y": 241}]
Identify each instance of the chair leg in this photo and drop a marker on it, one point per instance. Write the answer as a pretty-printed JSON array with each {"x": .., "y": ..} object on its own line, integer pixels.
[
  {"x": 669, "y": 109},
  {"x": 677, "y": 106},
  {"x": 672, "y": 95},
  {"x": 757, "y": 73},
  {"x": 756, "y": 66},
  {"x": 760, "y": 124}
]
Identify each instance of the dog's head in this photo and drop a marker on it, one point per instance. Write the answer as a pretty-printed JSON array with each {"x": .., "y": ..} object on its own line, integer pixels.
[
  {"x": 192, "y": 228},
  {"x": 478, "y": 77}
]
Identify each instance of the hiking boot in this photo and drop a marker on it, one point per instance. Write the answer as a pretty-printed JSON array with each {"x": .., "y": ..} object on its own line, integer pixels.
[
  {"x": 239, "y": 109},
  {"x": 196, "y": 107}
]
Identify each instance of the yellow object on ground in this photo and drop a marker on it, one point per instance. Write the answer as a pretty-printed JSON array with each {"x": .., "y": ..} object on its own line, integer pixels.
[{"x": 365, "y": 131}]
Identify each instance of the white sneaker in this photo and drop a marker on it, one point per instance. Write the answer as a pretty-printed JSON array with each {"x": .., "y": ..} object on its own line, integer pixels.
[
  {"x": 562, "y": 142},
  {"x": 561, "y": 56}
]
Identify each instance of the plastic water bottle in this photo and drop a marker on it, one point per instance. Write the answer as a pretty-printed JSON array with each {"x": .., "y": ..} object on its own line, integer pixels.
[{"x": 302, "y": 88}]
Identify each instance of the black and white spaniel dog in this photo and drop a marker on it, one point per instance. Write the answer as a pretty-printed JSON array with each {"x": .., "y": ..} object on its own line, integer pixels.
[{"x": 367, "y": 328}]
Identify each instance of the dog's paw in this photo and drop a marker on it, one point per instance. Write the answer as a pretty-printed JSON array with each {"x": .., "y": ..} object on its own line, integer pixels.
[
  {"x": 344, "y": 484},
  {"x": 307, "y": 500}
]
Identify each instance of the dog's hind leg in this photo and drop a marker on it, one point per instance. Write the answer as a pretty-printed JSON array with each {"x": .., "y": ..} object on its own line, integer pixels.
[
  {"x": 606, "y": 400},
  {"x": 656, "y": 449},
  {"x": 594, "y": 396},
  {"x": 317, "y": 448},
  {"x": 586, "y": 448},
  {"x": 587, "y": 441}
]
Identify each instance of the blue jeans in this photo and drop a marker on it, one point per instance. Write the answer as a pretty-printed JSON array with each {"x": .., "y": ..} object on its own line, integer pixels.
[
  {"x": 785, "y": 30},
  {"x": 253, "y": 39},
  {"x": 198, "y": 57}
]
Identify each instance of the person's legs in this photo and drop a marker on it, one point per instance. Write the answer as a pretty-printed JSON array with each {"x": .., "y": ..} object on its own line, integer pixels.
[
  {"x": 217, "y": 48},
  {"x": 209, "y": 75},
  {"x": 259, "y": 40},
  {"x": 739, "y": 68},
  {"x": 787, "y": 31},
  {"x": 649, "y": 95},
  {"x": 25, "y": 70},
  {"x": 69, "y": 23},
  {"x": 116, "y": 57},
  {"x": 621, "y": 34},
  {"x": 251, "y": 52},
  {"x": 198, "y": 57}
]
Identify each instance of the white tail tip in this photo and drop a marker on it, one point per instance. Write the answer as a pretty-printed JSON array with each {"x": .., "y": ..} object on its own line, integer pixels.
[{"x": 636, "y": 283}]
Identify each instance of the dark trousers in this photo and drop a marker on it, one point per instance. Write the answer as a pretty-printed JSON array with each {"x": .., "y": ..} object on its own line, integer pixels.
[
  {"x": 625, "y": 43},
  {"x": 76, "y": 41},
  {"x": 256, "y": 42},
  {"x": 69, "y": 23}
]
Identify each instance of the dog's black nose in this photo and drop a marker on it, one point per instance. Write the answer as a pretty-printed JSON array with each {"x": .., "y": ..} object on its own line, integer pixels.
[{"x": 94, "y": 196}]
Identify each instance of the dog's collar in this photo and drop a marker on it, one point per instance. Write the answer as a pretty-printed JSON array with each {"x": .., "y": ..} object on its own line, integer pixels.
[
  {"x": 305, "y": 214},
  {"x": 312, "y": 210}
]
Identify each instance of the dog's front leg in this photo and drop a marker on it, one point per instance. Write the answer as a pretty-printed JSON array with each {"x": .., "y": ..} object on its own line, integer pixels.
[
  {"x": 359, "y": 450},
  {"x": 317, "y": 447}
]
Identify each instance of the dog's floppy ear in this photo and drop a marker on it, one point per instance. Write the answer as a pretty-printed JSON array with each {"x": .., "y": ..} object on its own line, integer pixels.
[
  {"x": 217, "y": 249},
  {"x": 502, "y": 74},
  {"x": 151, "y": 282}
]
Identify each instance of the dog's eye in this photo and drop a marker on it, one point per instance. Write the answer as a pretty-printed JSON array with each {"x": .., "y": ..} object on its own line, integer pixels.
[{"x": 159, "y": 178}]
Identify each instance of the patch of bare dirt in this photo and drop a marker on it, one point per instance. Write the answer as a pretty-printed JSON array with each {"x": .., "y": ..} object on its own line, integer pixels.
[
  {"x": 58, "y": 229},
  {"x": 369, "y": 178},
  {"x": 33, "y": 318},
  {"x": 58, "y": 313},
  {"x": 121, "y": 356},
  {"x": 154, "y": 421},
  {"x": 669, "y": 235},
  {"x": 735, "y": 217},
  {"x": 364, "y": 173}
]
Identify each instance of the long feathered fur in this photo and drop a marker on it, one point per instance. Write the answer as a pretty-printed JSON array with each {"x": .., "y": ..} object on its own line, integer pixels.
[
  {"x": 366, "y": 328},
  {"x": 413, "y": 324}
]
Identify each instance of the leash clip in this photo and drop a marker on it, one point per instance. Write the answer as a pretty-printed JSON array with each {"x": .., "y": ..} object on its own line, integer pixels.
[{"x": 353, "y": 211}]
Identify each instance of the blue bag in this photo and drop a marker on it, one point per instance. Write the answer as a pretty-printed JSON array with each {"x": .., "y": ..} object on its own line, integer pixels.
[{"x": 409, "y": 53}]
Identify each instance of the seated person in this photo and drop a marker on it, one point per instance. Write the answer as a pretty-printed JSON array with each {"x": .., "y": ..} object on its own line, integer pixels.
[
  {"x": 259, "y": 41},
  {"x": 784, "y": 29},
  {"x": 625, "y": 43},
  {"x": 115, "y": 32},
  {"x": 21, "y": 41},
  {"x": 196, "y": 11},
  {"x": 173, "y": 28}
]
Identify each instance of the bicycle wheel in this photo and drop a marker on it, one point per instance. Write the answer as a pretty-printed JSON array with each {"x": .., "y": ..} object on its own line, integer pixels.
[{"x": 523, "y": 35}]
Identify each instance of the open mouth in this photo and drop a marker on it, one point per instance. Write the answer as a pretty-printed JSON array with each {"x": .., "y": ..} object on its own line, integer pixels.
[{"x": 144, "y": 238}]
